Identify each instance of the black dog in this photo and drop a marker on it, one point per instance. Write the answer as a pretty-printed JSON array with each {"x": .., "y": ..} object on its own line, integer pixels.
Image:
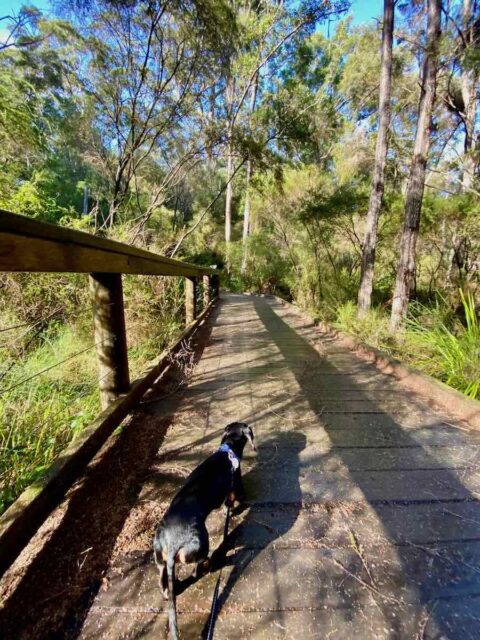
[{"x": 182, "y": 535}]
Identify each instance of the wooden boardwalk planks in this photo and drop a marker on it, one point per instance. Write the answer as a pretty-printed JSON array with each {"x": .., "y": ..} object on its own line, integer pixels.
[{"x": 363, "y": 517}]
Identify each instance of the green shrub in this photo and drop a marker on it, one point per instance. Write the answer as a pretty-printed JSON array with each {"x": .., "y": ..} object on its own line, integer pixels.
[
  {"x": 41, "y": 414},
  {"x": 266, "y": 270},
  {"x": 372, "y": 327}
]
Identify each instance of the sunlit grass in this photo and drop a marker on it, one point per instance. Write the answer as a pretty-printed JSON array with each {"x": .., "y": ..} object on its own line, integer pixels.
[
  {"x": 41, "y": 414},
  {"x": 450, "y": 353},
  {"x": 434, "y": 340}
]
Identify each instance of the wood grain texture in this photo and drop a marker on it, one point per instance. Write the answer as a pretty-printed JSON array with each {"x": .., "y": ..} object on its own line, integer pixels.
[
  {"x": 110, "y": 336},
  {"x": 190, "y": 299},
  {"x": 206, "y": 291},
  {"x": 32, "y": 246}
]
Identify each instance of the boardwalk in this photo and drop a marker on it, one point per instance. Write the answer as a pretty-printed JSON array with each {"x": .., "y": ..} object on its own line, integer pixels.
[{"x": 363, "y": 516}]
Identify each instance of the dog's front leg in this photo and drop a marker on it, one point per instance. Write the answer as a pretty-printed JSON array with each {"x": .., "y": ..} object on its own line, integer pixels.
[
  {"x": 236, "y": 493},
  {"x": 238, "y": 488}
]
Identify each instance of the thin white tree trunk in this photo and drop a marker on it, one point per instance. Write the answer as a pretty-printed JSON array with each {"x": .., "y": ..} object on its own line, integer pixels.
[
  {"x": 246, "y": 210},
  {"x": 229, "y": 191},
  {"x": 416, "y": 182},
  {"x": 378, "y": 186},
  {"x": 229, "y": 96}
]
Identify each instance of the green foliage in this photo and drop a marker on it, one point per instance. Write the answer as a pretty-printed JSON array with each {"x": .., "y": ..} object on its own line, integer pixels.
[
  {"x": 265, "y": 271},
  {"x": 372, "y": 328},
  {"x": 435, "y": 339},
  {"x": 41, "y": 414},
  {"x": 154, "y": 309},
  {"x": 33, "y": 200},
  {"x": 449, "y": 351}
]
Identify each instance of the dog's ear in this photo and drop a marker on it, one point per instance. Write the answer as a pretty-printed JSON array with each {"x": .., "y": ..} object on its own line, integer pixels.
[
  {"x": 248, "y": 433},
  {"x": 231, "y": 429}
]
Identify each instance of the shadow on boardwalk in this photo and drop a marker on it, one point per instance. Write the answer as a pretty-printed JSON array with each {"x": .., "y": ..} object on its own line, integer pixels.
[{"x": 420, "y": 516}]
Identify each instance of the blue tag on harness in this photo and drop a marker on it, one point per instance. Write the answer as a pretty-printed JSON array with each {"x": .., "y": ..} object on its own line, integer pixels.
[{"x": 234, "y": 461}]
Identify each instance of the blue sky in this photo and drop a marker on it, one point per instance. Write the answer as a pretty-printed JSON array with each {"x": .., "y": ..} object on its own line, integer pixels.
[
  {"x": 361, "y": 10},
  {"x": 366, "y": 10},
  {"x": 14, "y": 5}
]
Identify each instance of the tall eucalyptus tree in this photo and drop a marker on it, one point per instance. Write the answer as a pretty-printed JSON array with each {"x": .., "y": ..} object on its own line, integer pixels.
[
  {"x": 416, "y": 181},
  {"x": 378, "y": 186}
]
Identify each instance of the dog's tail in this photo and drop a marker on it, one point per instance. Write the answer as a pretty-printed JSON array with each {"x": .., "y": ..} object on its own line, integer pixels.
[{"x": 172, "y": 609}]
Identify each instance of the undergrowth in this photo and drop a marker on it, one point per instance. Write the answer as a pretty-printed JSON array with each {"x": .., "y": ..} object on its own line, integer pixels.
[
  {"x": 436, "y": 340},
  {"x": 41, "y": 414},
  {"x": 447, "y": 348},
  {"x": 48, "y": 370}
]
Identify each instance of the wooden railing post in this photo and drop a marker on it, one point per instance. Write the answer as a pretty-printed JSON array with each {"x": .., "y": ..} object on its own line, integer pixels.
[
  {"x": 110, "y": 337},
  {"x": 215, "y": 285},
  {"x": 190, "y": 299},
  {"x": 206, "y": 291}
]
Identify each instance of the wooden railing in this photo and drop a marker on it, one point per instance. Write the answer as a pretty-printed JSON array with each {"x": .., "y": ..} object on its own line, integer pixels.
[{"x": 27, "y": 245}]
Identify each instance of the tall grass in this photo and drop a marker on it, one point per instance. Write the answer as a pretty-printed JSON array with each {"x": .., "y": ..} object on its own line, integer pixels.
[
  {"x": 451, "y": 353},
  {"x": 41, "y": 414},
  {"x": 436, "y": 340}
]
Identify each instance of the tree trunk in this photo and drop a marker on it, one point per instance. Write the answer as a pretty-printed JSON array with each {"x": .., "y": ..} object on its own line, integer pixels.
[
  {"x": 416, "y": 182},
  {"x": 211, "y": 118},
  {"x": 229, "y": 191},
  {"x": 246, "y": 216},
  {"x": 116, "y": 195},
  {"x": 468, "y": 80},
  {"x": 230, "y": 169},
  {"x": 246, "y": 210},
  {"x": 376, "y": 197}
]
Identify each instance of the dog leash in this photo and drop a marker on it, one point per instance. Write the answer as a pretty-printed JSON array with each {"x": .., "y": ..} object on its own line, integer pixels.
[
  {"x": 213, "y": 609},
  {"x": 235, "y": 462}
]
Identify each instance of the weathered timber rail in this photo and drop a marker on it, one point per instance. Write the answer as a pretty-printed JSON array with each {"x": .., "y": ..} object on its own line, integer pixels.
[{"x": 27, "y": 245}]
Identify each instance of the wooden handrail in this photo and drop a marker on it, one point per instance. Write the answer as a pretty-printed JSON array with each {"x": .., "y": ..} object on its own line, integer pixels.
[
  {"x": 32, "y": 246},
  {"x": 29, "y": 245}
]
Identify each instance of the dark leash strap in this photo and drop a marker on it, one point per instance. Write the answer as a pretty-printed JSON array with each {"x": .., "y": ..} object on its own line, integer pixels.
[{"x": 213, "y": 609}]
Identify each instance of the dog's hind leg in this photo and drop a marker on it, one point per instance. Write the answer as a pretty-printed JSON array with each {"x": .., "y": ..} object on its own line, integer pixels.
[
  {"x": 163, "y": 577},
  {"x": 172, "y": 609},
  {"x": 199, "y": 555}
]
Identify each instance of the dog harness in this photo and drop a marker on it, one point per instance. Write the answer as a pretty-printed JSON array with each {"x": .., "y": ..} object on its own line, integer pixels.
[{"x": 234, "y": 460}]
